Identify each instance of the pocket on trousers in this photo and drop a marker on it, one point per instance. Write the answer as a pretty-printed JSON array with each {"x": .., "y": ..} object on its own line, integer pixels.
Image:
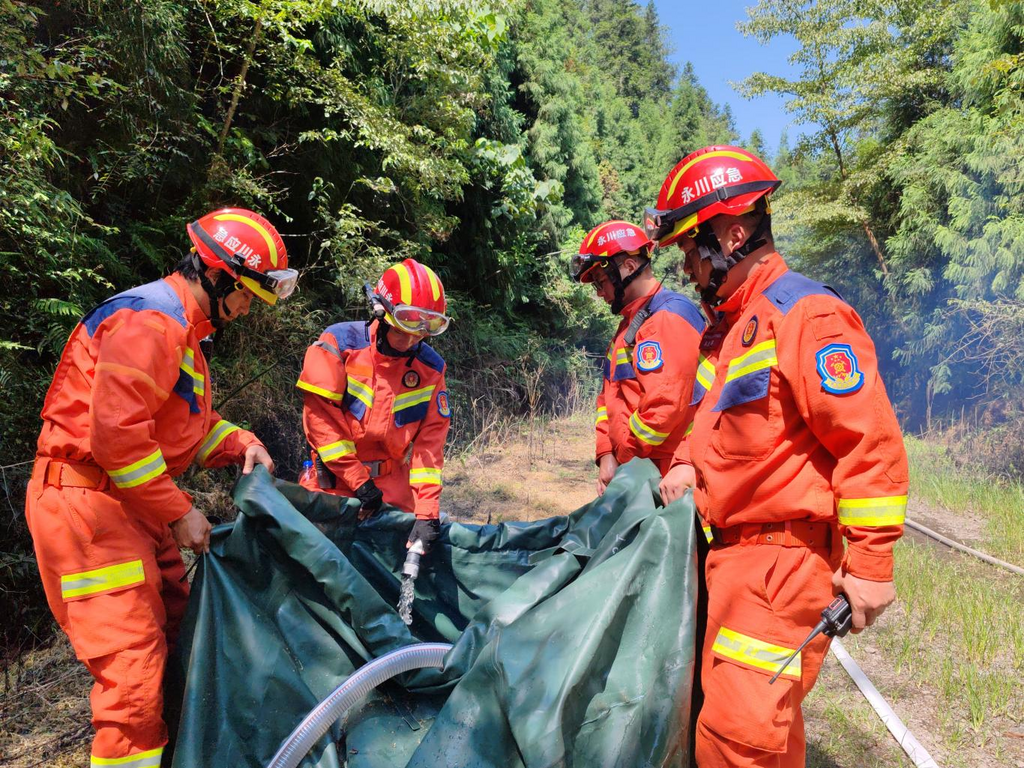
[
  {"x": 112, "y": 607},
  {"x": 741, "y": 707}
]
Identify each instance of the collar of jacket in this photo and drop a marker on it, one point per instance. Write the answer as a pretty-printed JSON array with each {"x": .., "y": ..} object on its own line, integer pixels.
[
  {"x": 629, "y": 311},
  {"x": 194, "y": 314},
  {"x": 760, "y": 277}
]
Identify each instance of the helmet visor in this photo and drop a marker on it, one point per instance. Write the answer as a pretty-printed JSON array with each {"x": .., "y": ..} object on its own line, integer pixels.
[{"x": 418, "y": 320}]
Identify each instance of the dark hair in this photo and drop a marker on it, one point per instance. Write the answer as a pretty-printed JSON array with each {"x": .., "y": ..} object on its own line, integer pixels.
[
  {"x": 186, "y": 267},
  {"x": 753, "y": 218}
]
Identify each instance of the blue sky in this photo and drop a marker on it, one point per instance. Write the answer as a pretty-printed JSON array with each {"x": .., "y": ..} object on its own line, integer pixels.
[{"x": 705, "y": 34}]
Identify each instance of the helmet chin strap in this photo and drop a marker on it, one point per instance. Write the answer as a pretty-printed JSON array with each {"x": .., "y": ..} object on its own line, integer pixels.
[
  {"x": 215, "y": 292},
  {"x": 384, "y": 344},
  {"x": 711, "y": 250},
  {"x": 619, "y": 283}
]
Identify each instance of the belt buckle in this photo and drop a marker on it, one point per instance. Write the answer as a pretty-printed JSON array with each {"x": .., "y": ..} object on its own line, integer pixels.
[{"x": 373, "y": 467}]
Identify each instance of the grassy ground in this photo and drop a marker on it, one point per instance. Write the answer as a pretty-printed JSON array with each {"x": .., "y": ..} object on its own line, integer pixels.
[
  {"x": 948, "y": 655},
  {"x": 940, "y": 481}
]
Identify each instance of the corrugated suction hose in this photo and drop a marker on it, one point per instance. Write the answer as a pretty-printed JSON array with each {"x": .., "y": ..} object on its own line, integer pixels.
[{"x": 357, "y": 686}]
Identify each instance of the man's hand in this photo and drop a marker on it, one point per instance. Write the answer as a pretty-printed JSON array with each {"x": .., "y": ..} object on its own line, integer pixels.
[
  {"x": 370, "y": 498},
  {"x": 674, "y": 484},
  {"x": 257, "y": 454},
  {"x": 868, "y": 599},
  {"x": 426, "y": 531},
  {"x": 192, "y": 531},
  {"x": 606, "y": 468}
]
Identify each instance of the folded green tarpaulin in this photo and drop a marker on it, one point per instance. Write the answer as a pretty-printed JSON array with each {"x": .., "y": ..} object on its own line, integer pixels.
[{"x": 574, "y": 636}]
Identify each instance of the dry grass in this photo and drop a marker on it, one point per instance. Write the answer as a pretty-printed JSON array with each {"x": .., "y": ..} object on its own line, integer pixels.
[
  {"x": 44, "y": 710},
  {"x": 523, "y": 471}
]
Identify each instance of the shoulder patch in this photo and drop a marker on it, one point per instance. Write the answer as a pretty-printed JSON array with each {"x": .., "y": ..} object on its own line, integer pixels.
[
  {"x": 430, "y": 358},
  {"x": 648, "y": 356},
  {"x": 837, "y": 366},
  {"x": 790, "y": 287},
  {"x": 349, "y": 335},
  {"x": 157, "y": 296},
  {"x": 670, "y": 301},
  {"x": 443, "y": 407}
]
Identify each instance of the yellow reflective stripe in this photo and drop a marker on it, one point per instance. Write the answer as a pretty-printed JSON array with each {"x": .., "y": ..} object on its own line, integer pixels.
[
  {"x": 689, "y": 429},
  {"x": 150, "y": 759},
  {"x": 435, "y": 284},
  {"x": 101, "y": 579},
  {"x": 360, "y": 392},
  {"x": 705, "y": 372},
  {"x": 405, "y": 284},
  {"x": 708, "y": 156},
  {"x": 188, "y": 365},
  {"x": 644, "y": 432},
  {"x": 707, "y": 533},
  {"x": 758, "y": 358},
  {"x": 602, "y": 415},
  {"x": 425, "y": 476},
  {"x": 319, "y": 391},
  {"x": 415, "y": 397},
  {"x": 333, "y": 451},
  {"x": 622, "y": 356},
  {"x": 271, "y": 248},
  {"x": 214, "y": 438},
  {"x": 756, "y": 653},
  {"x": 872, "y": 513},
  {"x": 140, "y": 472}
]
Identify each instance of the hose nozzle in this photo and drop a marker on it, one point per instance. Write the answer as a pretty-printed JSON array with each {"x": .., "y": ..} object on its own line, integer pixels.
[{"x": 412, "y": 560}]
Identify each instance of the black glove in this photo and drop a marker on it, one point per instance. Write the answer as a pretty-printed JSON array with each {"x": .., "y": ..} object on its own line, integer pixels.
[
  {"x": 426, "y": 531},
  {"x": 370, "y": 497}
]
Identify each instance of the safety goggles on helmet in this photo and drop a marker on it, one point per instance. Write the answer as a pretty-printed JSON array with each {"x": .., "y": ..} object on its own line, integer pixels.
[
  {"x": 279, "y": 283},
  {"x": 406, "y": 317},
  {"x": 582, "y": 263},
  {"x": 660, "y": 224},
  {"x": 417, "y": 320}
]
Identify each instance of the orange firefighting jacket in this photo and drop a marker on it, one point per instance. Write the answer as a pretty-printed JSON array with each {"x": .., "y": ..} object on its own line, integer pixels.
[
  {"x": 793, "y": 421},
  {"x": 364, "y": 406},
  {"x": 131, "y": 394},
  {"x": 643, "y": 406}
]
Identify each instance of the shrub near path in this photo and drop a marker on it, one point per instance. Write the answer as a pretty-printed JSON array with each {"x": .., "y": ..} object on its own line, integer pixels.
[{"x": 948, "y": 656}]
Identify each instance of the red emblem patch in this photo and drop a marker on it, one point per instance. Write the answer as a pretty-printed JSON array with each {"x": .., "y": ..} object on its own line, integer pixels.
[
  {"x": 839, "y": 370},
  {"x": 411, "y": 379},
  {"x": 749, "y": 332}
]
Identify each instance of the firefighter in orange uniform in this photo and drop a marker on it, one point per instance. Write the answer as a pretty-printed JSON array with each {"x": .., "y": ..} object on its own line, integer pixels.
[
  {"x": 643, "y": 406},
  {"x": 128, "y": 410},
  {"x": 795, "y": 447},
  {"x": 376, "y": 409}
]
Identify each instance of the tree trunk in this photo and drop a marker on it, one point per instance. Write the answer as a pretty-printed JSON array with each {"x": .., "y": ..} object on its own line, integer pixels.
[
  {"x": 875, "y": 246},
  {"x": 239, "y": 85}
]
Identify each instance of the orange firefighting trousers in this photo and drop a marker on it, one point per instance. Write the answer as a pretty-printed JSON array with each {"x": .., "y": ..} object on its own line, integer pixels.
[
  {"x": 112, "y": 580},
  {"x": 764, "y": 600}
]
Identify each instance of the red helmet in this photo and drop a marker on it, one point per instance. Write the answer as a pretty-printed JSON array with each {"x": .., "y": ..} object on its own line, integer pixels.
[
  {"x": 247, "y": 247},
  {"x": 412, "y": 297},
  {"x": 704, "y": 184},
  {"x": 603, "y": 243}
]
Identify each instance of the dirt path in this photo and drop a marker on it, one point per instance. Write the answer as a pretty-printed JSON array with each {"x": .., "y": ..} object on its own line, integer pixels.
[{"x": 529, "y": 474}]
